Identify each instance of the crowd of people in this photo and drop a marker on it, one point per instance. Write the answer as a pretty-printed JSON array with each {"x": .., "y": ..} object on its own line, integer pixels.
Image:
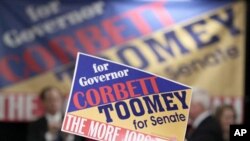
[{"x": 203, "y": 125}]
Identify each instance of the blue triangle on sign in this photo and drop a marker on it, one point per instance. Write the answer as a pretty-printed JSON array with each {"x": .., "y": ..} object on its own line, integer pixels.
[{"x": 95, "y": 77}]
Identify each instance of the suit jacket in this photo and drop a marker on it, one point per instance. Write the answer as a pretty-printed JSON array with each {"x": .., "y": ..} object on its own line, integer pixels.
[
  {"x": 37, "y": 130},
  {"x": 208, "y": 130}
]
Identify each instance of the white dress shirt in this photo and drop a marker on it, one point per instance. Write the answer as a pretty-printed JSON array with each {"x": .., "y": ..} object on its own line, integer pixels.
[{"x": 56, "y": 118}]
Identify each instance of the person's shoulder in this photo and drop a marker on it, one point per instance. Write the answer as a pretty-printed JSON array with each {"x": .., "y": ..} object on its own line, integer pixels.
[
  {"x": 211, "y": 119},
  {"x": 209, "y": 130},
  {"x": 39, "y": 125},
  {"x": 210, "y": 123},
  {"x": 40, "y": 120}
]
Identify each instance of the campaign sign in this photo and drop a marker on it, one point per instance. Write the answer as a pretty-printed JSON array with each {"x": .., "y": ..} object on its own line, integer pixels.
[{"x": 114, "y": 102}]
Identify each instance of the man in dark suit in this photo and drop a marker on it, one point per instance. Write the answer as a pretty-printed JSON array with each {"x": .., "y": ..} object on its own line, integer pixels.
[
  {"x": 47, "y": 128},
  {"x": 204, "y": 127}
]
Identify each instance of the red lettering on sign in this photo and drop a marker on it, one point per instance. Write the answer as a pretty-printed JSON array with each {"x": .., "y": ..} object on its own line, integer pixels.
[
  {"x": 76, "y": 100},
  {"x": 6, "y": 71},
  {"x": 107, "y": 94},
  {"x": 119, "y": 91},
  {"x": 44, "y": 55},
  {"x": 91, "y": 36},
  {"x": 63, "y": 46}
]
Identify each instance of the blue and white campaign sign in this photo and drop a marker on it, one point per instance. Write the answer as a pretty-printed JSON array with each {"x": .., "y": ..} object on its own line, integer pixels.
[
  {"x": 180, "y": 40},
  {"x": 114, "y": 102}
]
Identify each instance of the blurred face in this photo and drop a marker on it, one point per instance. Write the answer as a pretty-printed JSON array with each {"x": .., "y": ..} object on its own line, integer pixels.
[
  {"x": 226, "y": 119},
  {"x": 195, "y": 110},
  {"x": 53, "y": 101}
]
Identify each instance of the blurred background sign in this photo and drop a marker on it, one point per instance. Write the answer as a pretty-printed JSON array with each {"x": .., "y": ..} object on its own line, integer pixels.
[{"x": 198, "y": 43}]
